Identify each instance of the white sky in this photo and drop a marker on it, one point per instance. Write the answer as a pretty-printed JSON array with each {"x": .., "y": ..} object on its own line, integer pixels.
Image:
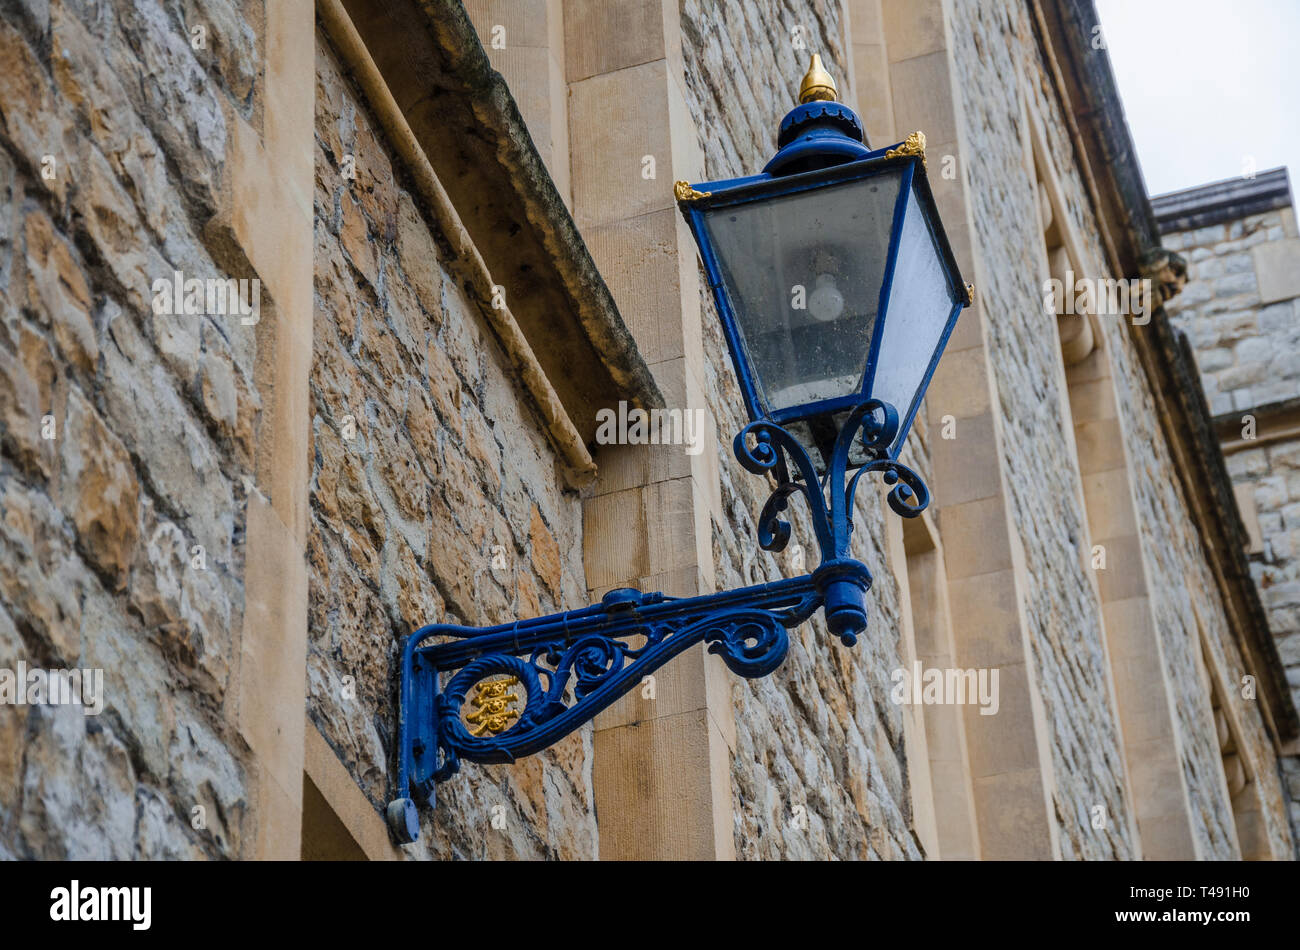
[{"x": 1207, "y": 85}]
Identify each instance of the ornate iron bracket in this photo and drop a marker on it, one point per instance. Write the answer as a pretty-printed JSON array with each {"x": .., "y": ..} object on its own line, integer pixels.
[{"x": 460, "y": 686}]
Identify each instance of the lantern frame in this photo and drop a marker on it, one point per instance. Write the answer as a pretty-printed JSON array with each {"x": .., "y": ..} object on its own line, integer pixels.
[{"x": 914, "y": 185}]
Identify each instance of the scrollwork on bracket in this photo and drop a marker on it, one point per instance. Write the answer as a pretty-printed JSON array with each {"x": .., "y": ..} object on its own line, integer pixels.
[
  {"x": 830, "y": 501},
  {"x": 571, "y": 665},
  {"x": 566, "y": 685}
]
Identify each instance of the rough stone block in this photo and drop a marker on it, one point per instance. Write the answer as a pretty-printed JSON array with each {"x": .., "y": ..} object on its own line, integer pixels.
[{"x": 1277, "y": 269}]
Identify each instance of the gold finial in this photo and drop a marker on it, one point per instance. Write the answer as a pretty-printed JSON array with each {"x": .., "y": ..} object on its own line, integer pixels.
[
  {"x": 817, "y": 83},
  {"x": 970, "y": 294}
]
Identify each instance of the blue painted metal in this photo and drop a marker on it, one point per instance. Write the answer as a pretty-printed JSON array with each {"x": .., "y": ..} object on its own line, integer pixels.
[
  {"x": 821, "y": 145},
  {"x": 817, "y": 134},
  {"x": 572, "y": 665}
]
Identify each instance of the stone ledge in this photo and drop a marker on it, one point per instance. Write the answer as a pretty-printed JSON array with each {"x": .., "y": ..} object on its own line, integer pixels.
[
  {"x": 1219, "y": 201},
  {"x": 470, "y": 128}
]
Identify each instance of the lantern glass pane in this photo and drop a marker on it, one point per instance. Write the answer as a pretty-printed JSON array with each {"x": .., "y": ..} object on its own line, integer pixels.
[
  {"x": 921, "y": 301},
  {"x": 802, "y": 273}
]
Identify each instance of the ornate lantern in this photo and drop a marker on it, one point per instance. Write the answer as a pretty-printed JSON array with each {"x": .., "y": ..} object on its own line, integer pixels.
[{"x": 837, "y": 292}]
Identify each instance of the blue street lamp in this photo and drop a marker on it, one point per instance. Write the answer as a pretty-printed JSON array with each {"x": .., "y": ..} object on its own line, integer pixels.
[
  {"x": 837, "y": 292},
  {"x": 831, "y": 272}
]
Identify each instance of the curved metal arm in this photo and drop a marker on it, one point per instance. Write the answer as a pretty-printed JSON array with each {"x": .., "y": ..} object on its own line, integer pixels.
[
  {"x": 461, "y": 697},
  {"x": 569, "y": 667}
]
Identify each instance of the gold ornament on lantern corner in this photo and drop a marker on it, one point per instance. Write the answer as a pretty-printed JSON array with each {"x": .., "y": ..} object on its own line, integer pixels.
[{"x": 914, "y": 144}]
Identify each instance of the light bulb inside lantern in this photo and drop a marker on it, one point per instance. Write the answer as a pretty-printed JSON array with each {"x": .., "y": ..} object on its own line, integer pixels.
[{"x": 825, "y": 303}]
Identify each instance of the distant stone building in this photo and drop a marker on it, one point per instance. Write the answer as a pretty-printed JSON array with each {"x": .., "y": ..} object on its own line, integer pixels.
[
  {"x": 1241, "y": 310},
  {"x": 458, "y": 240}
]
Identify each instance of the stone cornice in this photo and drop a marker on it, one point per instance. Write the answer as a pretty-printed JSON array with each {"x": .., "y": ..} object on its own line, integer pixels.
[
  {"x": 1218, "y": 201},
  {"x": 468, "y": 125}
]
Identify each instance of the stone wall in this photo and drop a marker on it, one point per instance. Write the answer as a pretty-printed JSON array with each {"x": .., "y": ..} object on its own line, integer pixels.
[
  {"x": 1187, "y": 608},
  {"x": 1273, "y": 472},
  {"x": 128, "y": 458},
  {"x": 819, "y": 769},
  {"x": 125, "y": 435},
  {"x": 435, "y": 498},
  {"x": 1248, "y": 350},
  {"x": 994, "y": 42},
  {"x": 992, "y": 46}
]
